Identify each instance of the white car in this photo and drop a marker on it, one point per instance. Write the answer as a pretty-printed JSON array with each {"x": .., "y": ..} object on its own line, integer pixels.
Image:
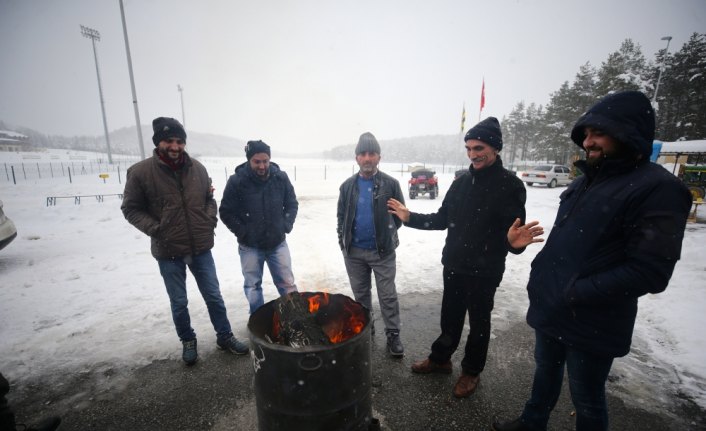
[
  {"x": 8, "y": 232},
  {"x": 551, "y": 175}
]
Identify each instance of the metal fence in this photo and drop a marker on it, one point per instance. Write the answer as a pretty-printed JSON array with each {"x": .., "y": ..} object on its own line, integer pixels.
[{"x": 16, "y": 172}]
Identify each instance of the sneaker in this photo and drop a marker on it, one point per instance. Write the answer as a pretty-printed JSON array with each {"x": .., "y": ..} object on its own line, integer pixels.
[
  {"x": 233, "y": 346},
  {"x": 394, "y": 345},
  {"x": 189, "y": 354},
  {"x": 427, "y": 366}
]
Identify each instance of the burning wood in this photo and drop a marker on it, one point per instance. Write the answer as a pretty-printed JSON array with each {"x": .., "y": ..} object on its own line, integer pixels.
[
  {"x": 297, "y": 325},
  {"x": 306, "y": 319}
]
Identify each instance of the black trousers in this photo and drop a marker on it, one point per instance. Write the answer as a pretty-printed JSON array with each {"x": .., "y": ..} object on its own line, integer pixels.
[
  {"x": 465, "y": 293},
  {"x": 7, "y": 417}
]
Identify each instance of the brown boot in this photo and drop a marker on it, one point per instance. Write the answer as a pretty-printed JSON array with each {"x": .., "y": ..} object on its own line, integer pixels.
[
  {"x": 427, "y": 366},
  {"x": 466, "y": 385}
]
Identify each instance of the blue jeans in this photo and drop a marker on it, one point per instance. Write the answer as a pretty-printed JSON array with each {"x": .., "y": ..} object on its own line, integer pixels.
[
  {"x": 203, "y": 268},
  {"x": 252, "y": 261},
  {"x": 587, "y": 376}
]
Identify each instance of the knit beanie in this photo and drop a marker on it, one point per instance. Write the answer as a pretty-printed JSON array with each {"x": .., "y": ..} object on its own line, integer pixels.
[
  {"x": 254, "y": 147},
  {"x": 367, "y": 143},
  {"x": 626, "y": 116},
  {"x": 487, "y": 131},
  {"x": 165, "y": 128}
]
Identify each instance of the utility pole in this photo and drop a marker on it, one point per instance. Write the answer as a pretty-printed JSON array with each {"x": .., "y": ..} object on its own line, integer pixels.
[
  {"x": 661, "y": 69},
  {"x": 132, "y": 84},
  {"x": 181, "y": 95},
  {"x": 94, "y": 36}
]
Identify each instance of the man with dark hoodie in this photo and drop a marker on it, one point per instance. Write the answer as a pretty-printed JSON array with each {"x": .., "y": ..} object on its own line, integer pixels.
[
  {"x": 259, "y": 206},
  {"x": 169, "y": 197},
  {"x": 477, "y": 211},
  {"x": 617, "y": 236}
]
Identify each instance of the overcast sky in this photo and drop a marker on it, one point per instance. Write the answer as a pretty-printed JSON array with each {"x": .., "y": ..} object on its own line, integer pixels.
[{"x": 311, "y": 74}]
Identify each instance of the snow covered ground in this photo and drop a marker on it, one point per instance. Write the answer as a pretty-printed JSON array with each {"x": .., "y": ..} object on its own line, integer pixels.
[{"x": 79, "y": 289}]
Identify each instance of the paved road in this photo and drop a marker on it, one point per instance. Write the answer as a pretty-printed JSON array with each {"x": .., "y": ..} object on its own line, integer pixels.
[{"x": 217, "y": 393}]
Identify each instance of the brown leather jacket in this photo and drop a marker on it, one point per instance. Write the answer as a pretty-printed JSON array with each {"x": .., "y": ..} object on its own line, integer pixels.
[{"x": 175, "y": 208}]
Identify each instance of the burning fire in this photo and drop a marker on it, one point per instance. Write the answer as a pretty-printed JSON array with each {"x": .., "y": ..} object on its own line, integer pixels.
[
  {"x": 351, "y": 323},
  {"x": 315, "y": 302},
  {"x": 340, "y": 319}
]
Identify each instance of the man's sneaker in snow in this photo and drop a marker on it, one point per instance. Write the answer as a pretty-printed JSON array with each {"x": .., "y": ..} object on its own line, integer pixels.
[
  {"x": 234, "y": 346},
  {"x": 189, "y": 354},
  {"x": 394, "y": 345}
]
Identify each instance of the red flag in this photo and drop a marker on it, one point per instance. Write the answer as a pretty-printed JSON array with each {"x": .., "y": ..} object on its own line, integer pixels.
[{"x": 482, "y": 95}]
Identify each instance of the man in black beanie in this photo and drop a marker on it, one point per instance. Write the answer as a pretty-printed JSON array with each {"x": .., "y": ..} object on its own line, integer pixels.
[
  {"x": 169, "y": 197},
  {"x": 479, "y": 208},
  {"x": 617, "y": 236},
  {"x": 259, "y": 206}
]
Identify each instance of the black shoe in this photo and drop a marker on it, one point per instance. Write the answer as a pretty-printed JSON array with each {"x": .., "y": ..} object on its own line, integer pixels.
[
  {"x": 189, "y": 354},
  {"x": 233, "y": 346},
  {"x": 48, "y": 424},
  {"x": 394, "y": 345},
  {"x": 516, "y": 425}
]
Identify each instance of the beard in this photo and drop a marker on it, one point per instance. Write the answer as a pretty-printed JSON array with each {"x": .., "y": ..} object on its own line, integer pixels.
[{"x": 171, "y": 155}]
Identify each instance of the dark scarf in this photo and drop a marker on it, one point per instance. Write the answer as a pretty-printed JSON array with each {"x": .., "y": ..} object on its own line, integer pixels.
[{"x": 175, "y": 165}]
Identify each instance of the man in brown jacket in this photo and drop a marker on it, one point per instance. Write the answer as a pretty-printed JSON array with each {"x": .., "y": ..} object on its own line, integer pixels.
[{"x": 169, "y": 197}]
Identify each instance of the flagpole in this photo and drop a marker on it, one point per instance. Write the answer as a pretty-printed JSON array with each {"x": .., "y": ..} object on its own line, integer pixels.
[{"x": 482, "y": 99}]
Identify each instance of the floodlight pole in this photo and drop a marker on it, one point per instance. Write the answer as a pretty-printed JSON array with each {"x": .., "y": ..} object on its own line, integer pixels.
[
  {"x": 661, "y": 69},
  {"x": 94, "y": 35},
  {"x": 132, "y": 84},
  {"x": 181, "y": 95}
]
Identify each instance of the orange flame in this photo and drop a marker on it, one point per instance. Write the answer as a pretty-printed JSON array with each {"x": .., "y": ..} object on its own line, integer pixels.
[
  {"x": 351, "y": 322},
  {"x": 315, "y": 301}
]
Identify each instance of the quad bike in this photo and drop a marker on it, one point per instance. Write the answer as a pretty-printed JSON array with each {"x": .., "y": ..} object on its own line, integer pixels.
[{"x": 423, "y": 182}]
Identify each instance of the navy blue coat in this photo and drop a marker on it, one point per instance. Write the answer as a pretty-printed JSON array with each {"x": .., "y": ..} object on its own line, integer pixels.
[
  {"x": 617, "y": 236},
  {"x": 259, "y": 213}
]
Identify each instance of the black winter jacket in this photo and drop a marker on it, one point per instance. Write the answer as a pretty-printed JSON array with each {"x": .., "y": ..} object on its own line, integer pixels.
[
  {"x": 175, "y": 208},
  {"x": 386, "y": 225},
  {"x": 478, "y": 209},
  {"x": 617, "y": 236},
  {"x": 259, "y": 213}
]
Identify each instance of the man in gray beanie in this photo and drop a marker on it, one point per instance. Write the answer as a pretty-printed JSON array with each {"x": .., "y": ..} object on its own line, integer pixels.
[
  {"x": 477, "y": 211},
  {"x": 367, "y": 235}
]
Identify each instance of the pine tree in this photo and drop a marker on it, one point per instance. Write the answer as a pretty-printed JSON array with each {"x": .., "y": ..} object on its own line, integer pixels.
[{"x": 624, "y": 69}]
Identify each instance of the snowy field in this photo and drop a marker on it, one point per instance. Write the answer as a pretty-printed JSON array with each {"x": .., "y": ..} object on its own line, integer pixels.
[{"x": 79, "y": 289}]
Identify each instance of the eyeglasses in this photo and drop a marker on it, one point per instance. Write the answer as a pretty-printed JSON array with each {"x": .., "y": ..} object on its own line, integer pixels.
[
  {"x": 476, "y": 148},
  {"x": 175, "y": 140}
]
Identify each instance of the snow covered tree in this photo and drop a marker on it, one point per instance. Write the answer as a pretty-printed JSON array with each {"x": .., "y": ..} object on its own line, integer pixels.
[
  {"x": 624, "y": 69},
  {"x": 681, "y": 100}
]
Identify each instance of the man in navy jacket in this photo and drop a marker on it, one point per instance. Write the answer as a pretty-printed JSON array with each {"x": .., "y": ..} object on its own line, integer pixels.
[
  {"x": 259, "y": 206},
  {"x": 617, "y": 236}
]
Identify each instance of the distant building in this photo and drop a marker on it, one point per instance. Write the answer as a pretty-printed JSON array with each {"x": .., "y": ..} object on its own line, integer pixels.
[{"x": 13, "y": 141}]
